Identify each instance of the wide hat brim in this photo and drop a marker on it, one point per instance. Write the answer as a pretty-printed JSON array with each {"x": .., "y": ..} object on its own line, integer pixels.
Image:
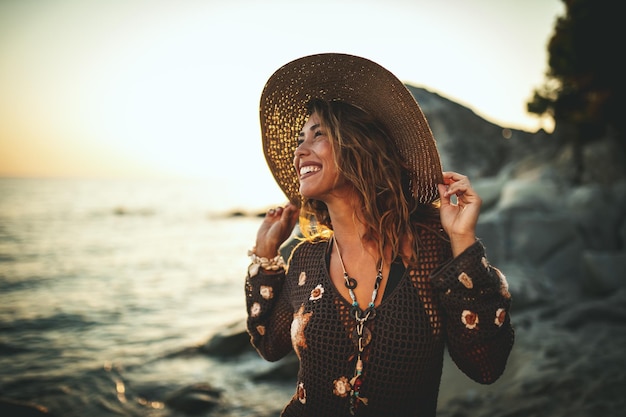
[{"x": 358, "y": 81}]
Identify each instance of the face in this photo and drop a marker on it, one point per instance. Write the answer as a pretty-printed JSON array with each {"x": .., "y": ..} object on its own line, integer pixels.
[{"x": 314, "y": 163}]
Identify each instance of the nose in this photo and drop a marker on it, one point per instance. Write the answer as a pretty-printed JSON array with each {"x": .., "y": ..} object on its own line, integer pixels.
[{"x": 301, "y": 149}]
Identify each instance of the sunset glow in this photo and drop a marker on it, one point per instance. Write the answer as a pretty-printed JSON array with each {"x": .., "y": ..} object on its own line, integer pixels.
[{"x": 155, "y": 88}]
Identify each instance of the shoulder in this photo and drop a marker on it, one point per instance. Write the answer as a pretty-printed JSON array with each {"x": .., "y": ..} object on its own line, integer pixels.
[
  {"x": 311, "y": 244},
  {"x": 309, "y": 247},
  {"x": 428, "y": 225},
  {"x": 432, "y": 241},
  {"x": 308, "y": 255}
]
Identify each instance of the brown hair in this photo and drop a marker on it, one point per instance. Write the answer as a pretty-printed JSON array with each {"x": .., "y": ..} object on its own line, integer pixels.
[{"x": 367, "y": 158}]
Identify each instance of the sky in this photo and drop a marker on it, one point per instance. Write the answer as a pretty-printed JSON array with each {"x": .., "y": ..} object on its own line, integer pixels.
[{"x": 170, "y": 89}]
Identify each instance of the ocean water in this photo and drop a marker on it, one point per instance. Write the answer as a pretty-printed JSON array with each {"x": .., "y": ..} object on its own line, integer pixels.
[{"x": 102, "y": 283}]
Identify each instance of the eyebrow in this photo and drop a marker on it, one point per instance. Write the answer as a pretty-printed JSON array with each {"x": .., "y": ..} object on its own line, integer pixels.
[{"x": 312, "y": 128}]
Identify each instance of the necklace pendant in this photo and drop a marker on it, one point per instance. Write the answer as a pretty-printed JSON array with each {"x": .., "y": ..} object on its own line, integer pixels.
[
  {"x": 362, "y": 315},
  {"x": 370, "y": 312},
  {"x": 363, "y": 339},
  {"x": 350, "y": 283}
]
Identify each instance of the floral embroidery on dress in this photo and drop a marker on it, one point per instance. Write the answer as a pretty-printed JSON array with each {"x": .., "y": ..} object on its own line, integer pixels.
[
  {"x": 500, "y": 317},
  {"x": 469, "y": 319},
  {"x": 302, "y": 278},
  {"x": 300, "y": 320},
  {"x": 261, "y": 330},
  {"x": 504, "y": 285},
  {"x": 317, "y": 293},
  {"x": 266, "y": 292},
  {"x": 301, "y": 393},
  {"x": 342, "y": 387},
  {"x": 255, "y": 310},
  {"x": 466, "y": 280},
  {"x": 253, "y": 270}
]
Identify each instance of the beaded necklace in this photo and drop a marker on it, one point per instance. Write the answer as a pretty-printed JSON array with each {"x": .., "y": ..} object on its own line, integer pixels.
[{"x": 361, "y": 334}]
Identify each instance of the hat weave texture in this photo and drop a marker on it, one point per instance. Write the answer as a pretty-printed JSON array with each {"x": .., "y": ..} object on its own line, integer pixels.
[{"x": 360, "y": 82}]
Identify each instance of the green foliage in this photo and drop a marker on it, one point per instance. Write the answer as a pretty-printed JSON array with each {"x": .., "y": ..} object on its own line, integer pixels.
[{"x": 584, "y": 84}]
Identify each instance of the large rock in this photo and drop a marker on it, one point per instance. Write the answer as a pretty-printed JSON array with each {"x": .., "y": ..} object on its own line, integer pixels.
[
  {"x": 470, "y": 144},
  {"x": 194, "y": 399},
  {"x": 231, "y": 340},
  {"x": 603, "y": 272}
]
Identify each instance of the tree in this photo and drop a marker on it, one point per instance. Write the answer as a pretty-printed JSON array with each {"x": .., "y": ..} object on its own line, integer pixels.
[{"x": 584, "y": 85}]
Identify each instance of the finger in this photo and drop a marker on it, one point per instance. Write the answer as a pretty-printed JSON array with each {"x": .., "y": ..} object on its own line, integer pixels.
[
  {"x": 275, "y": 212},
  {"x": 450, "y": 177},
  {"x": 460, "y": 187},
  {"x": 291, "y": 210},
  {"x": 291, "y": 215},
  {"x": 443, "y": 194},
  {"x": 454, "y": 189}
]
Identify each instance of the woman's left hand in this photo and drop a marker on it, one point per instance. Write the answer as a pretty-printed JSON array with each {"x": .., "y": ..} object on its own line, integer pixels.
[{"x": 459, "y": 218}]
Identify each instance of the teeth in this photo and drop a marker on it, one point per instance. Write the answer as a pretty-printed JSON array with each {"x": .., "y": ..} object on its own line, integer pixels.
[{"x": 308, "y": 168}]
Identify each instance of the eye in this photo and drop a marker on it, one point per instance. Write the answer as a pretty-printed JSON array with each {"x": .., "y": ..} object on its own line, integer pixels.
[{"x": 299, "y": 140}]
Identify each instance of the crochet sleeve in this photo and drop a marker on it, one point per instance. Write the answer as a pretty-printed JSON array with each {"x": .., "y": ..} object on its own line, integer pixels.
[
  {"x": 269, "y": 314},
  {"x": 475, "y": 300}
]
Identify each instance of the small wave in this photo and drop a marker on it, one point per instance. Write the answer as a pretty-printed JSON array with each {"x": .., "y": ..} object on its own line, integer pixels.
[
  {"x": 7, "y": 349},
  {"x": 6, "y": 258},
  {"x": 10, "y": 285},
  {"x": 56, "y": 321}
]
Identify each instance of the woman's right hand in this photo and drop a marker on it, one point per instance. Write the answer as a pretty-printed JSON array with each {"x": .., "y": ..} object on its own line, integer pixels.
[{"x": 276, "y": 228}]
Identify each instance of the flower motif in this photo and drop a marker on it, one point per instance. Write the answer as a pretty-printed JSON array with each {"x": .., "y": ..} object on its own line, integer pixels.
[
  {"x": 302, "y": 278},
  {"x": 469, "y": 319},
  {"x": 300, "y": 320},
  {"x": 342, "y": 387},
  {"x": 255, "y": 310},
  {"x": 301, "y": 393},
  {"x": 266, "y": 292},
  {"x": 466, "y": 280},
  {"x": 504, "y": 285},
  {"x": 485, "y": 263},
  {"x": 317, "y": 293},
  {"x": 261, "y": 330},
  {"x": 253, "y": 270},
  {"x": 500, "y": 317}
]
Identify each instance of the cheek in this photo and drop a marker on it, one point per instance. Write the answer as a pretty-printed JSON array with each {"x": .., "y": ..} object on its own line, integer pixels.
[{"x": 324, "y": 151}]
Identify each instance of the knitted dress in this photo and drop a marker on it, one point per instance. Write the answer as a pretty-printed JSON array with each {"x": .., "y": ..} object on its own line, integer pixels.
[{"x": 459, "y": 303}]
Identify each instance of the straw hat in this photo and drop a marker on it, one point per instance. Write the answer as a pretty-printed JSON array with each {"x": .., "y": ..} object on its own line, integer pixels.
[{"x": 355, "y": 80}]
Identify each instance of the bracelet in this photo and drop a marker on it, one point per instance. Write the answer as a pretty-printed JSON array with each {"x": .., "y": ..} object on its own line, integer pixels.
[{"x": 271, "y": 264}]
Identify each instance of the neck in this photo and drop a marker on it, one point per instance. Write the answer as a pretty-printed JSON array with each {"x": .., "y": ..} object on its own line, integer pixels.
[{"x": 349, "y": 230}]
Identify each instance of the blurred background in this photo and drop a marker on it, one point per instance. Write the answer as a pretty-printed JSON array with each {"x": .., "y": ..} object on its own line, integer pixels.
[{"x": 132, "y": 175}]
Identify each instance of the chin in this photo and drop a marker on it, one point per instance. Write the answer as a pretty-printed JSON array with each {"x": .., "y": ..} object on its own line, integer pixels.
[{"x": 309, "y": 195}]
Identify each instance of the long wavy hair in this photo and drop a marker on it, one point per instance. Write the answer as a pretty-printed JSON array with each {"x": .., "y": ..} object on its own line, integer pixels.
[{"x": 367, "y": 158}]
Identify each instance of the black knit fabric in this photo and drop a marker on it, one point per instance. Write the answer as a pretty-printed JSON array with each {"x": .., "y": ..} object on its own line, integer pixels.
[{"x": 461, "y": 303}]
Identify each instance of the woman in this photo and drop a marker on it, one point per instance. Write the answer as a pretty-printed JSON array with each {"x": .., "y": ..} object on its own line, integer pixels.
[{"x": 389, "y": 271}]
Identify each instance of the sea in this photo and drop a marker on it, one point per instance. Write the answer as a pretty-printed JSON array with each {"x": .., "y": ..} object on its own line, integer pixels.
[{"x": 103, "y": 282}]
